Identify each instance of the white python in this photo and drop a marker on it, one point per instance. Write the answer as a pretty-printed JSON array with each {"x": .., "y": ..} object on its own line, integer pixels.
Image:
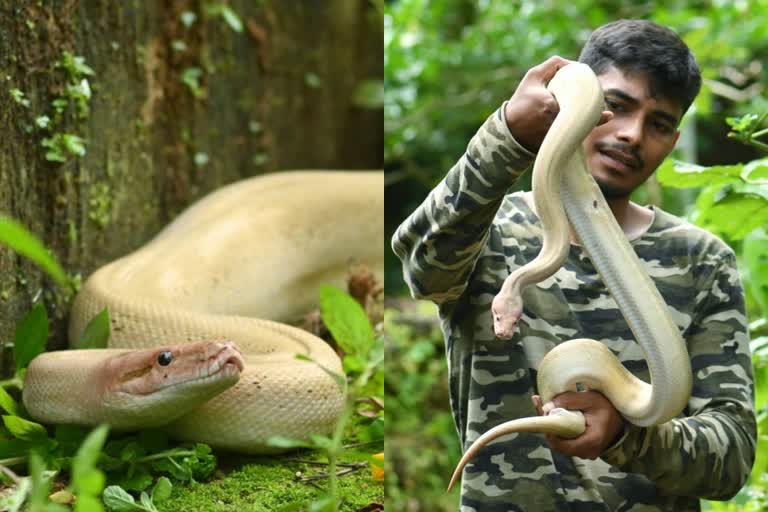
[
  {"x": 561, "y": 162},
  {"x": 256, "y": 248}
]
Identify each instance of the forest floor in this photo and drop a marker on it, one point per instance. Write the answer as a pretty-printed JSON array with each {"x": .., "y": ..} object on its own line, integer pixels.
[{"x": 270, "y": 483}]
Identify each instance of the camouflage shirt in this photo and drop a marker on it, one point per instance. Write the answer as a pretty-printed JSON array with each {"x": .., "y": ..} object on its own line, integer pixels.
[{"x": 458, "y": 247}]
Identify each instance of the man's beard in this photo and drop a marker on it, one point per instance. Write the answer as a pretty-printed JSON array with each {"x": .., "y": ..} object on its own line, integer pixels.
[{"x": 611, "y": 192}]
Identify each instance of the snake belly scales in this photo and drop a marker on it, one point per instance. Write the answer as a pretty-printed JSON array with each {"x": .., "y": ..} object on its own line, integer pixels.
[
  {"x": 195, "y": 301},
  {"x": 563, "y": 191}
]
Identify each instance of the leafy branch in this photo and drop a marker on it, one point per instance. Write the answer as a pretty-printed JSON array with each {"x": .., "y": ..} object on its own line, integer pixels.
[{"x": 746, "y": 129}]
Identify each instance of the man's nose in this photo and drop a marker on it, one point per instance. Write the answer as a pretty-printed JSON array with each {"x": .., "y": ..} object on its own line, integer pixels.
[{"x": 631, "y": 130}]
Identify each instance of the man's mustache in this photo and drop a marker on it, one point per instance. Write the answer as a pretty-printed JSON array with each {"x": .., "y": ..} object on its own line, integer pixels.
[{"x": 626, "y": 151}]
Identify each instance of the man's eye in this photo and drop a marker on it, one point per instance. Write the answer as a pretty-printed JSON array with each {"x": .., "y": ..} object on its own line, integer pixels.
[
  {"x": 663, "y": 127},
  {"x": 613, "y": 106}
]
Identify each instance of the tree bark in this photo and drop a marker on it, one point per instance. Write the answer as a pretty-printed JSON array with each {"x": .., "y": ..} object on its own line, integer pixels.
[{"x": 181, "y": 103}]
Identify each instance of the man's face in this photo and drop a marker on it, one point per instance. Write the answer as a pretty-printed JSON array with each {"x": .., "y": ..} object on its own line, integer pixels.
[{"x": 622, "y": 153}]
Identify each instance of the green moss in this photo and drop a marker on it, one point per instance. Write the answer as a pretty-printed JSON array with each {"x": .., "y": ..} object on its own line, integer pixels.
[
  {"x": 268, "y": 483},
  {"x": 100, "y": 202}
]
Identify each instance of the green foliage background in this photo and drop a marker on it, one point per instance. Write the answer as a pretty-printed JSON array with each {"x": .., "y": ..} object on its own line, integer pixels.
[{"x": 448, "y": 65}]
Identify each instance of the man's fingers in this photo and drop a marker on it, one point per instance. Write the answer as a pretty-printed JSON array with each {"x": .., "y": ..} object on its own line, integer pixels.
[
  {"x": 577, "y": 399},
  {"x": 547, "y": 69},
  {"x": 584, "y": 446},
  {"x": 606, "y": 116},
  {"x": 536, "y": 399}
]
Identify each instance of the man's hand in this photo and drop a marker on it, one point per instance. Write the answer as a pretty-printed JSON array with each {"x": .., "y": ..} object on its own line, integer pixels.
[
  {"x": 604, "y": 423},
  {"x": 532, "y": 109}
]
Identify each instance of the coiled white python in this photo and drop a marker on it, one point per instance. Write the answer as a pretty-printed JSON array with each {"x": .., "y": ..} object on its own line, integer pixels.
[
  {"x": 256, "y": 248},
  {"x": 563, "y": 185}
]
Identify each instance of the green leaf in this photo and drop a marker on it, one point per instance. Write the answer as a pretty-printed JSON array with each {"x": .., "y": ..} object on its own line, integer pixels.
[
  {"x": 96, "y": 334},
  {"x": 74, "y": 144},
  {"x": 327, "y": 503},
  {"x": 285, "y": 442},
  {"x": 374, "y": 431},
  {"x": 42, "y": 121},
  {"x": 24, "y": 429},
  {"x": 353, "y": 364},
  {"x": 674, "y": 173},
  {"x": 759, "y": 348},
  {"x": 185, "y": 466},
  {"x": 117, "y": 499},
  {"x": 188, "y": 18},
  {"x": 87, "y": 503},
  {"x": 322, "y": 442},
  {"x": 40, "y": 484},
  {"x": 755, "y": 256},
  {"x": 86, "y": 457},
  {"x": 8, "y": 404},
  {"x": 162, "y": 490},
  {"x": 75, "y": 66},
  {"x": 202, "y": 450},
  {"x": 191, "y": 78},
  {"x": 18, "y": 97},
  {"x": 178, "y": 471},
  {"x": 741, "y": 124},
  {"x": 16, "y": 236},
  {"x": 146, "y": 502},
  {"x": 91, "y": 482},
  {"x": 14, "y": 448},
  {"x": 347, "y": 321},
  {"x": 31, "y": 336},
  {"x": 131, "y": 451},
  {"x": 232, "y": 19},
  {"x": 756, "y": 172},
  {"x": 138, "y": 479},
  {"x": 732, "y": 211}
]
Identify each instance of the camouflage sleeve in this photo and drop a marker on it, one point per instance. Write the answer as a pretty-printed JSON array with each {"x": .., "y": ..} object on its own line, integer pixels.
[
  {"x": 709, "y": 452},
  {"x": 440, "y": 241}
]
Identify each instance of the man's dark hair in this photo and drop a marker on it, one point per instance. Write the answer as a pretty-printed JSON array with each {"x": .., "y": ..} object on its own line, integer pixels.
[{"x": 641, "y": 46}]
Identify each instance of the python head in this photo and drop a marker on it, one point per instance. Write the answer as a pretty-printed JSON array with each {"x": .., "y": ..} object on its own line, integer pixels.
[
  {"x": 158, "y": 385},
  {"x": 129, "y": 389},
  {"x": 506, "y": 310}
]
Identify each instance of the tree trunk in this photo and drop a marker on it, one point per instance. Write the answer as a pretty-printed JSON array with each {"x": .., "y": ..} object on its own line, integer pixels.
[{"x": 185, "y": 96}]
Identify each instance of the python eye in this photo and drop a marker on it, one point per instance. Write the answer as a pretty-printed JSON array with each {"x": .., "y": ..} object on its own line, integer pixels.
[{"x": 164, "y": 358}]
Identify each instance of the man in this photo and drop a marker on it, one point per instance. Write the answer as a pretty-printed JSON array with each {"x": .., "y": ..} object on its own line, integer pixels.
[{"x": 462, "y": 242}]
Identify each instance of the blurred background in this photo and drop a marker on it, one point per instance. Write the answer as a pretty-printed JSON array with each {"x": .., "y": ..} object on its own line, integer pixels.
[{"x": 448, "y": 64}]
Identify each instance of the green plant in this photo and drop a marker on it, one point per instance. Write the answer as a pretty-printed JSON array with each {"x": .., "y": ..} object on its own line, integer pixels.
[
  {"x": 422, "y": 444},
  {"x": 75, "y": 96},
  {"x": 59, "y": 145},
  {"x": 19, "y": 97},
  {"x": 19, "y": 239},
  {"x": 120, "y": 501},
  {"x": 350, "y": 327},
  {"x": 229, "y": 16}
]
